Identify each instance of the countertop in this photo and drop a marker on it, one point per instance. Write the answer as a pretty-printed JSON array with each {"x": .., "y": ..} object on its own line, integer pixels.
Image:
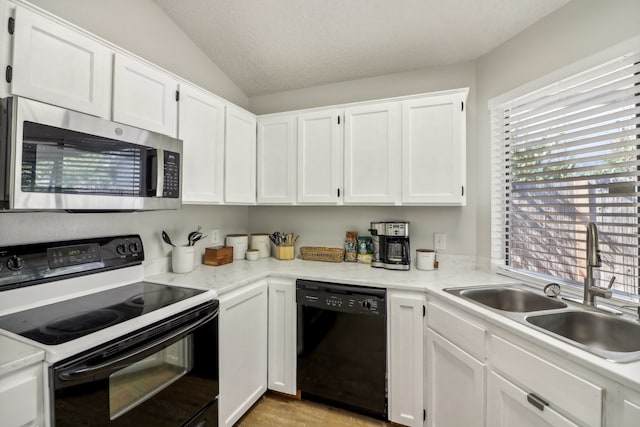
[
  {"x": 16, "y": 355},
  {"x": 454, "y": 273}
]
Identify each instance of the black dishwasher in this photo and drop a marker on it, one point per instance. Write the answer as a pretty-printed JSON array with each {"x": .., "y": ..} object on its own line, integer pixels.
[{"x": 342, "y": 346}]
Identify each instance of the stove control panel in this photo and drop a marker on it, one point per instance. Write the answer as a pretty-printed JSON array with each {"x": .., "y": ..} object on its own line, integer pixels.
[{"x": 25, "y": 265}]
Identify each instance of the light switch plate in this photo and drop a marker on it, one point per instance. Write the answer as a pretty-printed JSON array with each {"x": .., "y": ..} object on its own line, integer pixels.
[{"x": 439, "y": 241}]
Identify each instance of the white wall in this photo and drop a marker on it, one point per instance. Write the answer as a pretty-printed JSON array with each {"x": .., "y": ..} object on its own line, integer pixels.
[
  {"x": 327, "y": 225},
  {"x": 17, "y": 228},
  {"x": 143, "y": 28},
  {"x": 575, "y": 31}
]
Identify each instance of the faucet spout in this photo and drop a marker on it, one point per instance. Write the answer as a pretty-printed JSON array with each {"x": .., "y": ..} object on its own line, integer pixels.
[
  {"x": 593, "y": 249},
  {"x": 591, "y": 291}
]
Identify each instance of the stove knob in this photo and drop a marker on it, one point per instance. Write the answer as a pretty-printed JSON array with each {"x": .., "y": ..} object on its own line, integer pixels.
[
  {"x": 15, "y": 263},
  {"x": 134, "y": 247},
  {"x": 121, "y": 249}
]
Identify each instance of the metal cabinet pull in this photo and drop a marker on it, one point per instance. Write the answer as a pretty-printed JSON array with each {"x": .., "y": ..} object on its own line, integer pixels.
[{"x": 537, "y": 401}]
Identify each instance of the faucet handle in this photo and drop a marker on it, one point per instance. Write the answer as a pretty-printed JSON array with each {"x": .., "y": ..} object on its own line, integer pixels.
[{"x": 613, "y": 279}]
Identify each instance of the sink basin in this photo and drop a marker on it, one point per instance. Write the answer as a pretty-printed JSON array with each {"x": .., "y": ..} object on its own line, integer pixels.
[
  {"x": 593, "y": 330},
  {"x": 509, "y": 299}
]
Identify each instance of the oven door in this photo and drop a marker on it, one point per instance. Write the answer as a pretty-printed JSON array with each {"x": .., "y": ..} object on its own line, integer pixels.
[
  {"x": 60, "y": 159},
  {"x": 170, "y": 380}
]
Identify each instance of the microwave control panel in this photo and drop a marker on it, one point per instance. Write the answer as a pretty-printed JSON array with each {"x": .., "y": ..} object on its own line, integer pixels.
[{"x": 171, "y": 182}]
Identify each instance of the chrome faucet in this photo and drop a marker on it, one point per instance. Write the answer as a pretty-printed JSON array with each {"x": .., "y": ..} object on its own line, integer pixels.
[{"x": 591, "y": 290}]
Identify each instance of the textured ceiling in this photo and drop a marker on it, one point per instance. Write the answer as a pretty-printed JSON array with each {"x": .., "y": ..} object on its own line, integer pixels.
[{"x": 267, "y": 46}]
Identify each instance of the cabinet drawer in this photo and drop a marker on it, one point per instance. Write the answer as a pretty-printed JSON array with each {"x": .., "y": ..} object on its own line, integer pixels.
[
  {"x": 561, "y": 389},
  {"x": 464, "y": 334}
]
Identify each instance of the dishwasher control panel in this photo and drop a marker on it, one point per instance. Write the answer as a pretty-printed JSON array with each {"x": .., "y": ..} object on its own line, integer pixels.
[{"x": 348, "y": 299}]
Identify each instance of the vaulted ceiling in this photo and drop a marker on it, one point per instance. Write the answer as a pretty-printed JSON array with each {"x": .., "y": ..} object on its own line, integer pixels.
[{"x": 268, "y": 46}]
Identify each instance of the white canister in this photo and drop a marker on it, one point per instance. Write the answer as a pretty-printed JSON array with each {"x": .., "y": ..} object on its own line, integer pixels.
[
  {"x": 182, "y": 259},
  {"x": 261, "y": 242},
  {"x": 240, "y": 244},
  {"x": 425, "y": 259}
]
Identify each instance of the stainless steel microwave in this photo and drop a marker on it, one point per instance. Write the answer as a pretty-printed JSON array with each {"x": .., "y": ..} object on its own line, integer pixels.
[{"x": 57, "y": 159}]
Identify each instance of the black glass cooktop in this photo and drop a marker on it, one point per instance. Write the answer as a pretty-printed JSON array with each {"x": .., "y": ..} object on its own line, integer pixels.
[{"x": 67, "y": 320}]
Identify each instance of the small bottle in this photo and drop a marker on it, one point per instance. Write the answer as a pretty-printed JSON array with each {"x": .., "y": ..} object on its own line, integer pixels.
[
  {"x": 435, "y": 262},
  {"x": 351, "y": 247}
]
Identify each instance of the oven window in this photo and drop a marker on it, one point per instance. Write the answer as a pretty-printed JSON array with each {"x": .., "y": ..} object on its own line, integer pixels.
[{"x": 138, "y": 382}]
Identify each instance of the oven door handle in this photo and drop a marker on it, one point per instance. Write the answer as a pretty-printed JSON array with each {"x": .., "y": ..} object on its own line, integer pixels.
[{"x": 121, "y": 361}]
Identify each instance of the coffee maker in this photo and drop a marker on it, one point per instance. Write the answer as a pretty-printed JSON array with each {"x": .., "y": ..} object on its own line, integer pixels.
[{"x": 393, "y": 252}]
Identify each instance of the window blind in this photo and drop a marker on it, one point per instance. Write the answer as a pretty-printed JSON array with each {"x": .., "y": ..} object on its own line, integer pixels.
[{"x": 563, "y": 156}]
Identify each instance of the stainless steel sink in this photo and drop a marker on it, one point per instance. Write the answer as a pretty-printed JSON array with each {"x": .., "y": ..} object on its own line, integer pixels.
[
  {"x": 593, "y": 330},
  {"x": 509, "y": 299},
  {"x": 582, "y": 326}
]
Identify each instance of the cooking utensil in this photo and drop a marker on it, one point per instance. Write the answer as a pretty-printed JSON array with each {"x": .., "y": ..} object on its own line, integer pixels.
[{"x": 166, "y": 238}]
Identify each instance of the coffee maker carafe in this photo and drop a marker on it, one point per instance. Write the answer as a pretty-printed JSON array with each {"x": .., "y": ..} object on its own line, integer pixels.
[{"x": 393, "y": 242}]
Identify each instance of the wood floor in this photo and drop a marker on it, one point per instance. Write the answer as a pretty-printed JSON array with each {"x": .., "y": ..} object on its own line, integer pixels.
[{"x": 273, "y": 410}]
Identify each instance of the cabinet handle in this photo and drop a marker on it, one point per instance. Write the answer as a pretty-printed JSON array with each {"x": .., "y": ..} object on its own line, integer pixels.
[
  {"x": 338, "y": 192},
  {"x": 537, "y": 401},
  {"x": 11, "y": 27}
]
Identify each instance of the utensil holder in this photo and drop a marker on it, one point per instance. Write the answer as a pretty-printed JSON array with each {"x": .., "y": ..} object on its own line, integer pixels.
[
  {"x": 285, "y": 252},
  {"x": 182, "y": 259}
]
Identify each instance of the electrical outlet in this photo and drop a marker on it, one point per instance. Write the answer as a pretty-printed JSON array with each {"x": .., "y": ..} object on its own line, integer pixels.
[
  {"x": 439, "y": 241},
  {"x": 215, "y": 237}
]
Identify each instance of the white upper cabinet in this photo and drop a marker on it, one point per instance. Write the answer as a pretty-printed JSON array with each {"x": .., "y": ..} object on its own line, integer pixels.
[
  {"x": 276, "y": 160},
  {"x": 201, "y": 128},
  {"x": 319, "y": 157},
  {"x": 372, "y": 154},
  {"x": 58, "y": 65},
  {"x": 240, "y": 157},
  {"x": 144, "y": 96},
  {"x": 434, "y": 150}
]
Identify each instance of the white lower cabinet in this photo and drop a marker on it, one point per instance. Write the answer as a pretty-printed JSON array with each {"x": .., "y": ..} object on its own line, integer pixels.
[
  {"x": 243, "y": 350},
  {"x": 630, "y": 414},
  {"x": 547, "y": 386},
  {"x": 509, "y": 406},
  {"x": 282, "y": 335},
  {"x": 456, "y": 385},
  {"x": 406, "y": 357},
  {"x": 22, "y": 398}
]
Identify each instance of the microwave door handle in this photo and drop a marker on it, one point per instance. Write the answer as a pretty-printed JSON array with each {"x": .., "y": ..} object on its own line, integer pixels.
[
  {"x": 160, "y": 173},
  {"x": 104, "y": 369}
]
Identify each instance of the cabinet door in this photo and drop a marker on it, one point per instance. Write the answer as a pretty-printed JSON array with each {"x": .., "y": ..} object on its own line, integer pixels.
[
  {"x": 60, "y": 66},
  {"x": 240, "y": 157},
  {"x": 201, "y": 128},
  {"x": 631, "y": 414},
  {"x": 319, "y": 157},
  {"x": 508, "y": 406},
  {"x": 282, "y": 336},
  {"x": 22, "y": 398},
  {"x": 276, "y": 160},
  {"x": 406, "y": 362},
  {"x": 243, "y": 350},
  {"x": 372, "y": 148},
  {"x": 455, "y": 385},
  {"x": 433, "y": 150},
  {"x": 144, "y": 96}
]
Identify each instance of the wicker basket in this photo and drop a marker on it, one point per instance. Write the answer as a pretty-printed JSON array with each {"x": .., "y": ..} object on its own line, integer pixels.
[{"x": 320, "y": 253}]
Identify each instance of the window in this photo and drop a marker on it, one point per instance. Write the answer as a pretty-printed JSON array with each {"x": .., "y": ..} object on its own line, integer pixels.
[{"x": 566, "y": 155}]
